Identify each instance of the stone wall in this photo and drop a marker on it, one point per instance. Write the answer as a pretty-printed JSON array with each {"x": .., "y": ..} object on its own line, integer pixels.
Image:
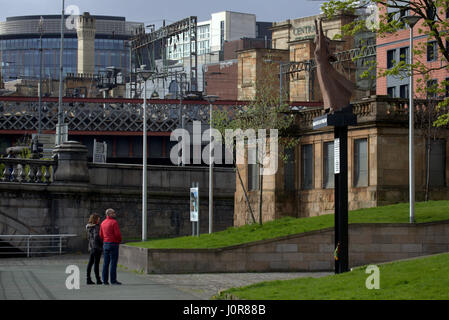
[
  {"x": 63, "y": 207},
  {"x": 312, "y": 251},
  {"x": 253, "y": 66}
]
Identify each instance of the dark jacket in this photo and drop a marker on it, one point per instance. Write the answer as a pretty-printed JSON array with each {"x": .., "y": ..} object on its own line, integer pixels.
[{"x": 93, "y": 236}]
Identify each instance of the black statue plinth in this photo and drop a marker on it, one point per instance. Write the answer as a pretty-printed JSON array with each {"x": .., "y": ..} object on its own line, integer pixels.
[{"x": 340, "y": 120}]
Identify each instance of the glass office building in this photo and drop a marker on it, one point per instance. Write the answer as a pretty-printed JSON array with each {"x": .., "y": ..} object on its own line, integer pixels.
[{"x": 20, "y": 43}]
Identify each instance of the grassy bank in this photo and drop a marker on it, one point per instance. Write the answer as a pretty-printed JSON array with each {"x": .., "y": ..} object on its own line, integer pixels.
[
  {"x": 398, "y": 213},
  {"x": 423, "y": 278}
]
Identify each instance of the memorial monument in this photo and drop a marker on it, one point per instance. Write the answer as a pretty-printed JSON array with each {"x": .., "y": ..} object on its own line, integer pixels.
[{"x": 337, "y": 92}]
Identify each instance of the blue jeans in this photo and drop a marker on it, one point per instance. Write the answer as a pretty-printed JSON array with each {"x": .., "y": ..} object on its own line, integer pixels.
[{"x": 110, "y": 258}]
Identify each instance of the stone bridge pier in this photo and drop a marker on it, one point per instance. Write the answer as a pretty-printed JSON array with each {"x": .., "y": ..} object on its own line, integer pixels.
[{"x": 60, "y": 200}]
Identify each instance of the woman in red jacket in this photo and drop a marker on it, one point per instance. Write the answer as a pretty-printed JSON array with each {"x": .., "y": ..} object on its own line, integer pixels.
[{"x": 111, "y": 236}]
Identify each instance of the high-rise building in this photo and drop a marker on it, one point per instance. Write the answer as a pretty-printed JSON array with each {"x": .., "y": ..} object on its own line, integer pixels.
[{"x": 19, "y": 46}]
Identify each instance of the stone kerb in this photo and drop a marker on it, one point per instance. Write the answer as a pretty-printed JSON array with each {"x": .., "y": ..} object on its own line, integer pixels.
[{"x": 311, "y": 251}]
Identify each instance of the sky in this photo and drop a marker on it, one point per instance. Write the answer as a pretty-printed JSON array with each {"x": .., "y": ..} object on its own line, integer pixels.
[{"x": 153, "y": 12}]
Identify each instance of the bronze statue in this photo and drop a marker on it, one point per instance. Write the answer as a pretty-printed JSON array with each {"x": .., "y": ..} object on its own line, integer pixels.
[{"x": 335, "y": 88}]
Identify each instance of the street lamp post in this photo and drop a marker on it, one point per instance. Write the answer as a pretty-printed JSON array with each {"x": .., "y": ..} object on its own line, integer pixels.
[
  {"x": 181, "y": 160},
  {"x": 281, "y": 73},
  {"x": 203, "y": 68},
  {"x": 61, "y": 69},
  {"x": 211, "y": 99},
  {"x": 280, "y": 82},
  {"x": 145, "y": 75},
  {"x": 411, "y": 21},
  {"x": 41, "y": 31}
]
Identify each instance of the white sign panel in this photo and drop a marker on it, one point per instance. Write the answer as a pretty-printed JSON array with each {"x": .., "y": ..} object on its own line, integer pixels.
[
  {"x": 63, "y": 131},
  {"x": 100, "y": 152},
  {"x": 194, "y": 204},
  {"x": 337, "y": 156}
]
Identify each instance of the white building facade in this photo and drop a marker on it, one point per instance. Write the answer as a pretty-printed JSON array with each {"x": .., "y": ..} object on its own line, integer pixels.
[{"x": 211, "y": 36}]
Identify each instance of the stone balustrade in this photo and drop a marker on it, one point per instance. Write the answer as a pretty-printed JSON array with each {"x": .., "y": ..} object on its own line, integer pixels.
[
  {"x": 378, "y": 108},
  {"x": 27, "y": 171}
]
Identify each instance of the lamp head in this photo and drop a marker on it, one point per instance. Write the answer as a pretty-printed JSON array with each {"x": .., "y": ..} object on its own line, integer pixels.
[
  {"x": 411, "y": 20},
  {"x": 211, "y": 98},
  {"x": 144, "y": 73}
]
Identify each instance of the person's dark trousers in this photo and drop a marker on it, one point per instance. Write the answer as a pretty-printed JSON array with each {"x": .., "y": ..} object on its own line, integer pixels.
[
  {"x": 94, "y": 260},
  {"x": 110, "y": 258}
]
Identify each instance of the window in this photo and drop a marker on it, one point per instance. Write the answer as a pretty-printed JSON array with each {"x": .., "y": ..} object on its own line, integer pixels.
[
  {"x": 289, "y": 170},
  {"x": 391, "y": 92},
  {"x": 437, "y": 162},
  {"x": 253, "y": 177},
  {"x": 402, "y": 13},
  {"x": 432, "y": 53},
  {"x": 361, "y": 162},
  {"x": 390, "y": 17},
  {"x": 222, "y": 34},
  {"x": 432, "y": 88},
  {"x": 390, "y": 58},
  {"x": 203, "y": 32},
  {"x": 253, "y": 169},
  {"x": 328, "y": 174},
  {"x": 403, "y": 91},
  {"x": 307, "y": 166},
  {"x": 431, "y": 11},
  {"x": 396, "y": 15},
  {"x": 447, "y": 87},
  {"x": 403, "y": 54}
]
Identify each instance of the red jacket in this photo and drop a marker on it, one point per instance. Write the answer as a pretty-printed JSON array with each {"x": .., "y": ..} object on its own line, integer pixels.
[{"x": 109, "y": 231}]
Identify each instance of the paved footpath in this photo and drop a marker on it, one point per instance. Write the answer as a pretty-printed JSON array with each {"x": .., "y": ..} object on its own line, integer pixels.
[{"x": 45, "y": 279}]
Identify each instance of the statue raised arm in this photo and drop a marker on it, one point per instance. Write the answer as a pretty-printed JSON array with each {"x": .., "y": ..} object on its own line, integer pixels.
[{"x": 335, "y": 88}]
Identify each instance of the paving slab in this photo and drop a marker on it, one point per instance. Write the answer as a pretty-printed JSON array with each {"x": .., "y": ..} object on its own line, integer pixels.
[{"x": 45, "y": 278}]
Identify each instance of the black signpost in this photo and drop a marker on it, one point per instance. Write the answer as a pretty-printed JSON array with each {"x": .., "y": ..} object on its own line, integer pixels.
[{"x": 340, "y": 120}]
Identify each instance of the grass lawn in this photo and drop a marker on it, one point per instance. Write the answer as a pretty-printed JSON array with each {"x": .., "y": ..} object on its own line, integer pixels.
[
  {"x": 398, "y": 213},
  {"x": 423, "y": 278}
]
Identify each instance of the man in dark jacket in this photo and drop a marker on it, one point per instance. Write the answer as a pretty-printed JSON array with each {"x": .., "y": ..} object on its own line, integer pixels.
[
  {"x": 95, "y": 247},
  {"x": 111, "y": 236}
]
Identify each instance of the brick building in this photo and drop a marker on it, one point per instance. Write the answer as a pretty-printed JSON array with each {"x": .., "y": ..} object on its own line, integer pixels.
[
  {"x": 394, "y": 47},
  {"x": 221, "y": 78}
]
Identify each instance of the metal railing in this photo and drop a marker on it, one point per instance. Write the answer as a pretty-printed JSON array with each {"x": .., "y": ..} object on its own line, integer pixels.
[
  {"x": 100, "y": 115},
  {"x": 34, "y": 244}
]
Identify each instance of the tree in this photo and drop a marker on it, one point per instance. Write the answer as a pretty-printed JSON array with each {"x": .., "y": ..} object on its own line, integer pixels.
[
  {"x": 385, "y": 19},
  {"x": 264, "y": 112},
  {"x": 385, "y": 16},
  {"x": 426, "y": 114}
]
